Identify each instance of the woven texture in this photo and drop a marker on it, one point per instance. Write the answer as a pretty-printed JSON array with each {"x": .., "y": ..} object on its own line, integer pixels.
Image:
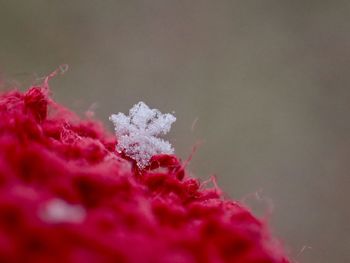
[{"x": 66, "y": 195}]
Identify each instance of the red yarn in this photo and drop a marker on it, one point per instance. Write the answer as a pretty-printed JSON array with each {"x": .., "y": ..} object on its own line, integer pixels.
[{"x": 66, "y": 195}]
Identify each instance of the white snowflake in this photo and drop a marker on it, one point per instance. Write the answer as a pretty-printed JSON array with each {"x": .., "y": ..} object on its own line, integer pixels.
[
  {"x": 59, "y": 211},
  {"x": 137, "y": 133}
]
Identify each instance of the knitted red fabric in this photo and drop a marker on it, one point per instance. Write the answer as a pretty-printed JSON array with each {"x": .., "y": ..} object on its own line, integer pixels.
[{"x": 66, "y": 195}]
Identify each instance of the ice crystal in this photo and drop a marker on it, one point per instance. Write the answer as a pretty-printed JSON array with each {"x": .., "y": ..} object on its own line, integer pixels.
[
  {"x": 137, "y": 134},
  {"x": 59, "y": 211}
]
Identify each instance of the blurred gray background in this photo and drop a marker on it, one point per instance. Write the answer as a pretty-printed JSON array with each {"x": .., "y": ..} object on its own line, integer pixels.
[{"x": 263, "y": 84}]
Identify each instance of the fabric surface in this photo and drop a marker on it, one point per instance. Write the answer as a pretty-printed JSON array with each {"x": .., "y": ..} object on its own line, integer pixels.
[{"x": 66, "y": 195}]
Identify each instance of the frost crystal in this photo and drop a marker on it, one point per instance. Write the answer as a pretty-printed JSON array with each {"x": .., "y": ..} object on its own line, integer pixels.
[
  {"x": 137, "y": 133},
  {"x": 59, "y": 211}
]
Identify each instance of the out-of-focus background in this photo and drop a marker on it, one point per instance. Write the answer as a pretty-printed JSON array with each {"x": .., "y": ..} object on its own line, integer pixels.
[{"x": 265, "y": 85}]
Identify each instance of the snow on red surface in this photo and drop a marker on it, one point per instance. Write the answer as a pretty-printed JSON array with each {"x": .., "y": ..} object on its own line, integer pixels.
[{"x": 66, "y": 195}]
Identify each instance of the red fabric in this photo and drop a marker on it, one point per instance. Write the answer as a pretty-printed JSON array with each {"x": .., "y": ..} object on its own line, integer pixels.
[{"x": 159, "y": 214}]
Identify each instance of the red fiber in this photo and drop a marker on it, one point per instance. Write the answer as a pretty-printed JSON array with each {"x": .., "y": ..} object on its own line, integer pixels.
[{"x": 112, "y": 210}]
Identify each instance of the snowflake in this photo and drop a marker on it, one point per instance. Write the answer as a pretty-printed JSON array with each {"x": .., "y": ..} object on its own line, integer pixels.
[
  {"x": 137, "y": 133},
  {"x": 59, "y": 211}
]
